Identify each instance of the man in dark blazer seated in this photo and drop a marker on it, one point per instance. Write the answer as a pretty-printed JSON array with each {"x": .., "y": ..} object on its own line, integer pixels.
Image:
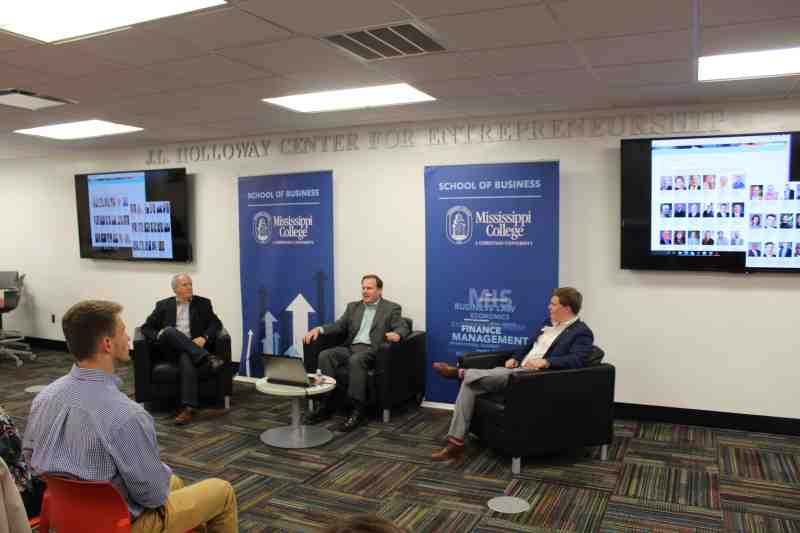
[
  {"x": 563, "y": 342},
  {"x": 182, "y": 326},
  {"x": 368, "y": 323}
]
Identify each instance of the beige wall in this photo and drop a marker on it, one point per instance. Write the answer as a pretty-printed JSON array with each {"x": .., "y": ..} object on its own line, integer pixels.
[{"x": 718, "y": 342}]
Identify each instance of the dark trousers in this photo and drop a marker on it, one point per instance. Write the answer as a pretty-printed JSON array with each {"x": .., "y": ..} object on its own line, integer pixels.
[
  {"x": 190, "y": 358},
  {"x": 359, "y": 358}
]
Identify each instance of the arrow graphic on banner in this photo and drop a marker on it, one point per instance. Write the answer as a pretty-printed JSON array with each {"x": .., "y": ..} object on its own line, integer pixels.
[
  {"x": 268, "y": 344},
  {"x": 300, "y": 308}
]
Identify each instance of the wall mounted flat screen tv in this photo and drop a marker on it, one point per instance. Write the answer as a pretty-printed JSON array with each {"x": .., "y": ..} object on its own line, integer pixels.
[
  {"x": 720, "y": 203},
  {"x": 140, "y": 215}
]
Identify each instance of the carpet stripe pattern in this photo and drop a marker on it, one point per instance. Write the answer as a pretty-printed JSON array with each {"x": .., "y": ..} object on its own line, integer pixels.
[{"x": 657, "y": 477}]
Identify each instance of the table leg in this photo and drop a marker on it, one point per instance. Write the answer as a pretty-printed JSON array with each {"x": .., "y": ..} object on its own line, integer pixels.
[{"x": 296, "y": 435}]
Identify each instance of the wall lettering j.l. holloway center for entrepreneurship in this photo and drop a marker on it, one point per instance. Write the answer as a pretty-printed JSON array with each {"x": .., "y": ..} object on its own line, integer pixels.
[{"x": 453, "y": 134}]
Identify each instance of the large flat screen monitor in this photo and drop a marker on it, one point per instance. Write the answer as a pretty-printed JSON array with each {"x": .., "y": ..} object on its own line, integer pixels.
[
  {"x": 140, "y": 215},
  {"x": 723, "y": 203}
]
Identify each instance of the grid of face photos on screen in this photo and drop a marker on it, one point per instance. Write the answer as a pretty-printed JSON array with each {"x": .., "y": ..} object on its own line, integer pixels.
[
  {"x": 121, "y": 216},
  {"x": 705, "y": 213},
  {"x": 150, "y": 228}
]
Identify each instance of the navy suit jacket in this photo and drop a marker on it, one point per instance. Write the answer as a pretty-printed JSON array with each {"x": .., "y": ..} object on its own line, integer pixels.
[
  {"x": 202, "y": 320},
  {"x": 568, "y": 350}
]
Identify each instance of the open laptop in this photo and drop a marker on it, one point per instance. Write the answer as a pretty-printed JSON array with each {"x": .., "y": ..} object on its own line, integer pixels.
[{"x": 286, "y": 371}]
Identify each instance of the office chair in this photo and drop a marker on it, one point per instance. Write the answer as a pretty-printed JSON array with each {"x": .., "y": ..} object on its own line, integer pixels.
[
  {"x": 398, "y": 375},
  {"x": 546, "y": 411},
  {"x": 11, "y": 343},
  {"x": 158, "y": 379},
  {"x": 75, "y": 506}
]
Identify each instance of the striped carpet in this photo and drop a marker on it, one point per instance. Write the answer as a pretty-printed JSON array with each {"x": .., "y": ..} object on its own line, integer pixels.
[{"x": 658, "y": 477}]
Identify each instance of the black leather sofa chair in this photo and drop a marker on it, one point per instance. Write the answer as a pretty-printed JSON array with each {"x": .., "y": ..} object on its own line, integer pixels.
[
  {"x": 545, "y": 411},
  {"x": 398, "y": 376},
  {"x": 158, "y": 380}
]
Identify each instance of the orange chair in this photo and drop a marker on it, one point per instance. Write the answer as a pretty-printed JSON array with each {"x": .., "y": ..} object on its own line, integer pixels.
[
  {"x": 72, "y": 505},
  {"x": 75, "y": 506}
]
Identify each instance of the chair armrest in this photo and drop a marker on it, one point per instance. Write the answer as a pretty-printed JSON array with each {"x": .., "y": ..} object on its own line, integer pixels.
[
  {"x": 400, "y": 368},
  {"x": 323, "y": 342},
  {"x": 142, "y": 366},
  {"x": 484, "y": 359},
  {"x": 565, "y": 401},
  {"x": 222, "y": 349},
  {"x": 222, "y": 345}
]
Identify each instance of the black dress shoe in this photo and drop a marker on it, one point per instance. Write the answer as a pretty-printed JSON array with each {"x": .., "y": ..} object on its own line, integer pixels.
[
  {"x": 215, "y": 364},
  {"x": 354, "y": 420},
  {"x": 317, "y": 415}
]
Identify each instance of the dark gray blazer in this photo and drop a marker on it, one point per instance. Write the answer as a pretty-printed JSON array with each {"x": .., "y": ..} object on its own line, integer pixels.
[{"x": 387, "y": 319}]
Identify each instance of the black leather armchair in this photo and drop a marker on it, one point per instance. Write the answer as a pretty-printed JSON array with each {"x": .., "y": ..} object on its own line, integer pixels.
[
  {"x": 398, "y": 376},
  {"x": 158, "y": 379},
  {"x": 545, "y": 411}
]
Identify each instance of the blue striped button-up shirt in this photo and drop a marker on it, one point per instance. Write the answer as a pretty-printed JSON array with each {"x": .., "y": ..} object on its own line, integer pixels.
[{"x": 84, "y": 426}]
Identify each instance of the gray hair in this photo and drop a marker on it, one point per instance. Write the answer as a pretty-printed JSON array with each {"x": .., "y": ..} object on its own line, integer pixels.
[{"x": 174, "y": 282}]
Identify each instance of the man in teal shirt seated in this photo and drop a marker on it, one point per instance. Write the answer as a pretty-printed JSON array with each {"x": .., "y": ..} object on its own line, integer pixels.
[{"x": 368, "y": 324}]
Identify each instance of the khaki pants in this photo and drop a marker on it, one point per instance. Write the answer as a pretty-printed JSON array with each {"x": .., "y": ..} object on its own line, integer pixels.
[{"x": 211, "y": 502}]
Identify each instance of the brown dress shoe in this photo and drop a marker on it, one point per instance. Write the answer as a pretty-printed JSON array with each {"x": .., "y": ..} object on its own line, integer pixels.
[
  {"x": 446, "y": 371},
  {"x": 184, "y": 416},
  {"x": 451, "y": 451}
]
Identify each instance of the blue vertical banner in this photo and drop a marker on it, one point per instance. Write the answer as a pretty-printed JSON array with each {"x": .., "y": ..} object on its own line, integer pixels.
[
  {"x": 491, "y": 259},
  {"x": 286, "y": 262}
]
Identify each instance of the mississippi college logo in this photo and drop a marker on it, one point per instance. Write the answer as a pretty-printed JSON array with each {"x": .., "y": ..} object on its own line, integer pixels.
[
  {"x": 458, "y": 224},
  {"x": 262, "y": 227}
]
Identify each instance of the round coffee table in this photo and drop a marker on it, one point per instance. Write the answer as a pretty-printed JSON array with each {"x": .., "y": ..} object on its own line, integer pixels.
[{"x": 296, "y": 435}]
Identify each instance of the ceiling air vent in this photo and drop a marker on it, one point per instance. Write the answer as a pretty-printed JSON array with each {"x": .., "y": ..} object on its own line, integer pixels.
[{"x": 386, "y": 42}]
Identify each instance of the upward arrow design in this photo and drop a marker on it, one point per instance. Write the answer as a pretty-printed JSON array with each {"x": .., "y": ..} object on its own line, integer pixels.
[
  {"x": 268, "y": 342},
  {"x": 300, "y": 308}
]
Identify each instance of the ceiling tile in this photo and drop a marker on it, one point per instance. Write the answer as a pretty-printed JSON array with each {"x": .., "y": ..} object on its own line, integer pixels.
[
  {"x": 563, "y": 82},
  {"x": 135, "y": 47},
  {"x": 496, "y": 28},
  {"x": 12, "y": 42},
  {"x": 429, "y": 67},
  {"x": 648, "y": 48},
  {"x": 330, "y": 79},
  {"x": 721, "y": 12},
  {"x": 750, "y": 37},
  {"x": 312, "y": 17},
  {"x": 590, "y": 18},
  {"x": 645, "y": 73},
  {"x": 716, "y": 92},
  {"x": 20, "y": 77},
  {"x": 57, "y": 60},
  {"x": 470, "y": 87},
  {"x": 292, "y": 56},
  {"x": 219, "y": 28},
  {"x": 523, "y": 59},
  {"x": 123, "y": 85},
  {"x": 427, "y": 8},
  {"x": 206, "y": 70}
]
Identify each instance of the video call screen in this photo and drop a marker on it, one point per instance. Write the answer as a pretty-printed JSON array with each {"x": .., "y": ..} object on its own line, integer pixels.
[
  {"x": 726, "y": 194},
  {"x": 136, "y": 215}
]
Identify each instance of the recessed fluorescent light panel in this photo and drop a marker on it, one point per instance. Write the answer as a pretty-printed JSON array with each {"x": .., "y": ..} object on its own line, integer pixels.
[
  {"x": 749, "y": 65},
  {"x": 49, "y": 21},
  {"x": 29, "y": 100},
  {"x": 378, "y": 96},
  {"x": 79, "y": 130}
]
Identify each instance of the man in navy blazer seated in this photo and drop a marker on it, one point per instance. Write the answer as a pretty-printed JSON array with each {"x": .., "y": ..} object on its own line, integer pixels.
[
  {"x": 563, "y": 342},
  {"x": 368, "y": 323},
  {"x": 181, "y": 326}
]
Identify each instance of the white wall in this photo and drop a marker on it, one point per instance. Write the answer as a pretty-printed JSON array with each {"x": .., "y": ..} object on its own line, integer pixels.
[{"x": 719, "y": 342}]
